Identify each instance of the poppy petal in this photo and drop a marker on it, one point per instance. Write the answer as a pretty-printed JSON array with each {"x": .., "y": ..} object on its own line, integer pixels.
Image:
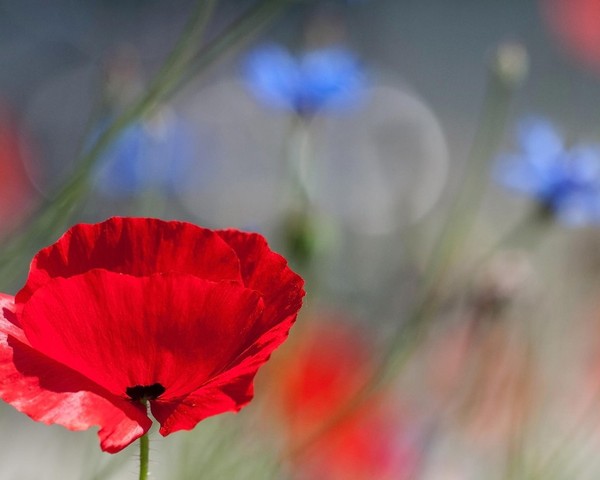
[
  {"x": 219, "y": 396},
  {"x": 176, "y": 330},
  {"x": 9, "y": 323},
  {"x": 229, "y": 391},
  {"x": 142, "y": 309},
  {"x": 135, "y": 246},
  {"x": 268, "y": 273},
  {"x": 50, "y": 392}
]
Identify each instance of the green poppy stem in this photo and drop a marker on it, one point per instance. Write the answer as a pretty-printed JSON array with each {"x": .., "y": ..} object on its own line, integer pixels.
[
  {"x": 144, "y": 456},
  {"x": 144, "y": 446}
]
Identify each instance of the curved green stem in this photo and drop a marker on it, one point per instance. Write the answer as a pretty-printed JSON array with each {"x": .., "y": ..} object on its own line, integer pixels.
[
  {"x": 463, "y": 211},
  {"x": 248, "y": 23},
  {"x": 458, "y": 223},
  {"x": 52, "y": 214},
  {"x": 185, "y": 62}
]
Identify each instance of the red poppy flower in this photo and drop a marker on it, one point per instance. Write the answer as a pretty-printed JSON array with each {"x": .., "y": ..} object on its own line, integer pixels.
[
  {"x": 576, "y": 24},
  {"x": 327, "y": 368},
  {"x": 16, "y": 190},
  {"x": 135, "y": 309}
]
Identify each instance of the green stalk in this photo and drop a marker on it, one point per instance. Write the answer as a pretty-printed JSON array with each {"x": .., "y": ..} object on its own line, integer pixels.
[
  {"x": 299, "y": 223},
  {"x": 247, "y": 24},
  {"x": 144, "y": 445},
  {"x": 463, "y": 212},
  {"x": 144, "y": 456},
  {"x": 461, "y": 216},
  {"x": 53, "y": 213},
  {"x": 502, "y": 80},
  {"x": 182, "y": 65}
]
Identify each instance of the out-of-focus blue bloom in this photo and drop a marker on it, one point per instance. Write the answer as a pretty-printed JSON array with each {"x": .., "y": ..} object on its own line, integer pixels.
[
  {"x": 565, "y": 181},
  {"x": 328, "y": 78},
  {"x": 150, "y": 155}
]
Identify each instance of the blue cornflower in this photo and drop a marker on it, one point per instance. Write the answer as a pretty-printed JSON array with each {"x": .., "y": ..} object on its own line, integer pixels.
[
  {"x": 328, "y": 78},
  {"x": 564, "y": 181},
  {"x": 149, "y": 155}
]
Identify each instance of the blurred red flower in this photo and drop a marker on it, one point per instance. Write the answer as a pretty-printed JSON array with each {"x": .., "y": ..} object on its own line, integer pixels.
[
  {"x": 576, "y": 24},
  {"x": 135, "y": 309},
  {"x": 15, "y": 187},
  {"x": 325, "y": 370}
]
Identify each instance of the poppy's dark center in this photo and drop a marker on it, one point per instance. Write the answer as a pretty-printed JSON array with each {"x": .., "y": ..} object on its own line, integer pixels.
[{"x": 145, "y": 392}]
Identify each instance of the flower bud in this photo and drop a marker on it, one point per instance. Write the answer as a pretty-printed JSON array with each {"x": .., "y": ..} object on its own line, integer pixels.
[{"x": 510, "y": 63}]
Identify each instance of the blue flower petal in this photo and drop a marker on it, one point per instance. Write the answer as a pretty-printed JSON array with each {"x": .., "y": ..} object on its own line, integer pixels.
[
  {"x": 273, "y": 76},
  {"x": 538, "y": 139},
  {"x": 331, "y": 77},
  {"x": 567, "y": 181},
  {"x": 578, "y": 209},
  {"x": 154, "y": 154},
  {"x": 517, "y": 173},
  {"x": 584, "y": 164},
  {"x": 120, "y": 169}
]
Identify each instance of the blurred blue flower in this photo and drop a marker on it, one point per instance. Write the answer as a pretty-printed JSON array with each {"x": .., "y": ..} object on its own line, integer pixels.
[
  {"x": 149, "y": 155},
  {"x": 564, "y": 181},
  {"x": 328, "y": 78}
]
